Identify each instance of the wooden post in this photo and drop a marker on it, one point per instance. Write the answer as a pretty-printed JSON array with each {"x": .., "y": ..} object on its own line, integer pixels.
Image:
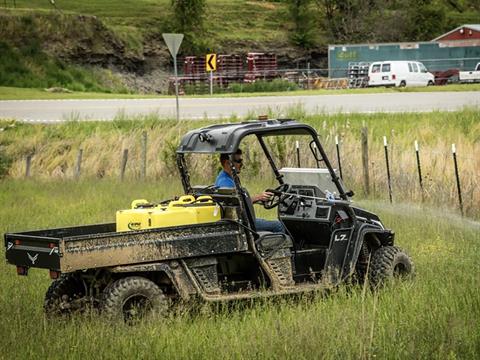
[
  {"x": 366, "y": 180},
  {"x": 124, "y": 164},
  {"x": 78, "y": 168},
  {"x": 144, "y": 155},
  {"x": 28, "y": 163}
]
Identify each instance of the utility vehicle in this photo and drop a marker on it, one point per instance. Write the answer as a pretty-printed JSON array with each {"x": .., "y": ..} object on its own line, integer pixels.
[{"x": 327, "y": 240}]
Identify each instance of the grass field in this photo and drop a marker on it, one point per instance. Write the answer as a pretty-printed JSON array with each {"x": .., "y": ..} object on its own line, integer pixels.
[
  {"x": 55, "y": 150},
  {"x": 434, "y": 316},
  {"x": 16, "y": 93}
]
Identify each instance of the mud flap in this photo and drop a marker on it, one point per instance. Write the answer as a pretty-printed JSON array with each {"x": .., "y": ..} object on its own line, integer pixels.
[{"x": 340, "y": 246}]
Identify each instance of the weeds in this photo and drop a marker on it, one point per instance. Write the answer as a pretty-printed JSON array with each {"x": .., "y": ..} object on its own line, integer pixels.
[
  {"x": 56, "y": 148},
  {"x": 432, "y": 315}
]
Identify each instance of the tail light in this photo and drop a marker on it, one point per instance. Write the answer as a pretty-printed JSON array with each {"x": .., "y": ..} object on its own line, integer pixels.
[
  {"x": 18, "y": 242},
  {"x": 22, "y": 270},
  {"x": 394, "y": 77},
  {"x": 54, "y": 274}
]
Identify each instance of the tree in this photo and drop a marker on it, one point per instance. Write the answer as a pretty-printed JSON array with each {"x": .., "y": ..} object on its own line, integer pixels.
[
  {"x": 188, "y": 15},
  {"x": 426, "y": 20},
  {"x": 300, "y": 12},
  {"x": 348, "y": 20},
  {"x": 188, "y": 19}
]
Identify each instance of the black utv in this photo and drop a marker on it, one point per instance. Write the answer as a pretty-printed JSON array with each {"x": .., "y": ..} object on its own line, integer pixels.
[{"x": 326, "y": 240}]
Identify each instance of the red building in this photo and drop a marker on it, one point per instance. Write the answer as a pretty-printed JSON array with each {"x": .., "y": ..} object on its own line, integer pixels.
[{"x": 465, "y": 35}]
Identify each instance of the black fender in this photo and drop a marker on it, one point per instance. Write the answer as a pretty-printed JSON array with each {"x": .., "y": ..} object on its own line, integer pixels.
[
  {"x": 375, "y": 235},
  {"x": 172, "y": 270}
]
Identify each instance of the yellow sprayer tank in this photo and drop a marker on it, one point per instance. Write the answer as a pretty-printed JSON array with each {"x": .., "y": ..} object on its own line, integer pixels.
[{"x": 184, "y": 211}]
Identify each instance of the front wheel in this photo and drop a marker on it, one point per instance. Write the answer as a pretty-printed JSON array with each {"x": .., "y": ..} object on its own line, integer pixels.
[
  {"x": 132, "y": 298},
  {"x": 430, "y": 83},
  {"x": 389, "y": 262},
  {"x": 403, "y": 83}
]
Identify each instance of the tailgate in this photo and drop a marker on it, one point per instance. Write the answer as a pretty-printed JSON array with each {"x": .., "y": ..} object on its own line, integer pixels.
[
  {"x": 44, "y": 248},
  {"x": 32, "y": 251}
]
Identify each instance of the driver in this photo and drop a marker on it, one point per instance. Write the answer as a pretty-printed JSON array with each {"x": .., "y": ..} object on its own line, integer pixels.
[{"x": 225, "y": 180}]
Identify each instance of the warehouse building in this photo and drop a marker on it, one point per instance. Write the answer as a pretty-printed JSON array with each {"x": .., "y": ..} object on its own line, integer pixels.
[{"x": 457, "y": 49}]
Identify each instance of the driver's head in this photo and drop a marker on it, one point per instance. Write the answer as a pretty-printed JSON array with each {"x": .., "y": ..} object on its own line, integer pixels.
[{"x": 237, "y": 161}]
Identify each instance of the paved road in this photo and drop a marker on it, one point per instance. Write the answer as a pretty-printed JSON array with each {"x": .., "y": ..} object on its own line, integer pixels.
[{"x": 195, "y": 108}]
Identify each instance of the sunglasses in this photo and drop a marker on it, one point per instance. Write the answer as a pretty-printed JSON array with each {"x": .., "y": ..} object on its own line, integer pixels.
[{"x": 238, "y": 161}]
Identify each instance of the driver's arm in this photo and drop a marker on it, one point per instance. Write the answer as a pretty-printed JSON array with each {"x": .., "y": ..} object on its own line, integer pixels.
[{"x": 261, "y": 197}]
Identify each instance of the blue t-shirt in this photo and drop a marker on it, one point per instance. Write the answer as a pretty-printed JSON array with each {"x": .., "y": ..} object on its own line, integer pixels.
[{"x": 224, "y": 180}]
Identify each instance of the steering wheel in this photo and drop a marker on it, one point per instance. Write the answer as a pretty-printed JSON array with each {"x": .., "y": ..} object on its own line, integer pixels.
[{"x": 277, "y": 197}]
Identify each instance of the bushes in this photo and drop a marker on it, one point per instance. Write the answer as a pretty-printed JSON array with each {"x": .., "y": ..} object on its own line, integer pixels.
[{"x": 28, "y": 66}]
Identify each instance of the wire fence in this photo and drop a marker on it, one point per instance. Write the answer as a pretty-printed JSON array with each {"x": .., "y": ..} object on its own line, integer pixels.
[
  {"x": 378, "y": 168},
  {"x": 196, "y": 80}
]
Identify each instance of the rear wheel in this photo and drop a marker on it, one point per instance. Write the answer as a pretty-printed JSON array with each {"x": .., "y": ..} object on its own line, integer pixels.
[
  {"x": 65, "y": 295},
  {"x": 403, "y": 83},
  {"x": 133, "y": 298},
  {"x": 430, "y": 83},
  {"x": 389, "y": 262}
]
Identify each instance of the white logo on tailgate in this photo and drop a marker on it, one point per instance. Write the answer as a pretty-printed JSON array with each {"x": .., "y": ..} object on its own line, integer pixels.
[{"x": 32, "y": 258}]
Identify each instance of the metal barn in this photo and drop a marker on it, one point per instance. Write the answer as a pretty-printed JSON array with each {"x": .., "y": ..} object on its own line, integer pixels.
[{"x": 443, "y": 53}]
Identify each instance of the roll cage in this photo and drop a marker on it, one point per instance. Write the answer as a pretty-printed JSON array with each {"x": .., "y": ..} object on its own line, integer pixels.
[{"x": 226, "y": 139}]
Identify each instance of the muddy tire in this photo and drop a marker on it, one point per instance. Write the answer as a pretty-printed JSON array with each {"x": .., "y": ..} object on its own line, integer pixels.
[
  {"x": 389, "y": 262},
  {"x": 64, "y": 296},
  {"x": 133, "y": 298}
]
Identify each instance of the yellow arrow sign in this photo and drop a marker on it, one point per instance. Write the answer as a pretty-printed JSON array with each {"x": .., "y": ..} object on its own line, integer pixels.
[{"x": 211, "y": 62}]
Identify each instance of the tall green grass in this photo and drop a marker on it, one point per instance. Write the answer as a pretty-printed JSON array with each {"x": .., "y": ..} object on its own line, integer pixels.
[
  {"x": 55, "y": 150},
  {"x": 433, "y": 316},
  {"x": 29, "y": 67}
]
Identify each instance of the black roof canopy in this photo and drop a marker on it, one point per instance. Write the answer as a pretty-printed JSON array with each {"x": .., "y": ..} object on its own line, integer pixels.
[{"x": 226, "y": 138}]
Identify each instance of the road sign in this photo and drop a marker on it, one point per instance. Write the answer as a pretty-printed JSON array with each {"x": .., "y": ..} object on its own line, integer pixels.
[
  {"x": 173, "y": 42},
  {"x": 211, "y": 62}
]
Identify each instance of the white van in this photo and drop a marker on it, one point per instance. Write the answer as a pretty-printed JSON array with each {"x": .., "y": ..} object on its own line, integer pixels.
[{"x": 399, "y": 73}]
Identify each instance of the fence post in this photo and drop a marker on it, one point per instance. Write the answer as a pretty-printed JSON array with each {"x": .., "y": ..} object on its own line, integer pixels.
[
  {"x": 459, "y": 189},
  {"x": 124, "y": 164},
  {"x": 389, "y": 181},
  {"x": 297, "y": 147},
  {"x": 366, "y": 180},
  {"x": 419, "y": 168},
  {"x": 338, "y": 157},
  {"x": 308, "y": 75},
  {"x": 144, "y": 155},
  {"x": 28, "y": 163},
  {"x": 78, "y": 168}
]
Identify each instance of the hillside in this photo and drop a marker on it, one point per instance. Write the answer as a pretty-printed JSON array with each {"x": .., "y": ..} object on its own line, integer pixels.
[{"x": 113, "y": 45}]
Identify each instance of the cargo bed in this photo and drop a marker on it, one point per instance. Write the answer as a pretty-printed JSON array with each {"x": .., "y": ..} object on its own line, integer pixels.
[{"x": 98, "y": 246}]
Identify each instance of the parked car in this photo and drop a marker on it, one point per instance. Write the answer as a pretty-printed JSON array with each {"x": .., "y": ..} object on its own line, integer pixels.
[
  {"x": 399, "y": 73},
  {"x": 470, "y": 76}
]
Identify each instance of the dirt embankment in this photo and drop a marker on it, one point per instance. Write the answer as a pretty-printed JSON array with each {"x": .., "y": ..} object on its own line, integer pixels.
[
  {"x": 143, "y": 64},
  {"x": 79, "y": 39}
]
